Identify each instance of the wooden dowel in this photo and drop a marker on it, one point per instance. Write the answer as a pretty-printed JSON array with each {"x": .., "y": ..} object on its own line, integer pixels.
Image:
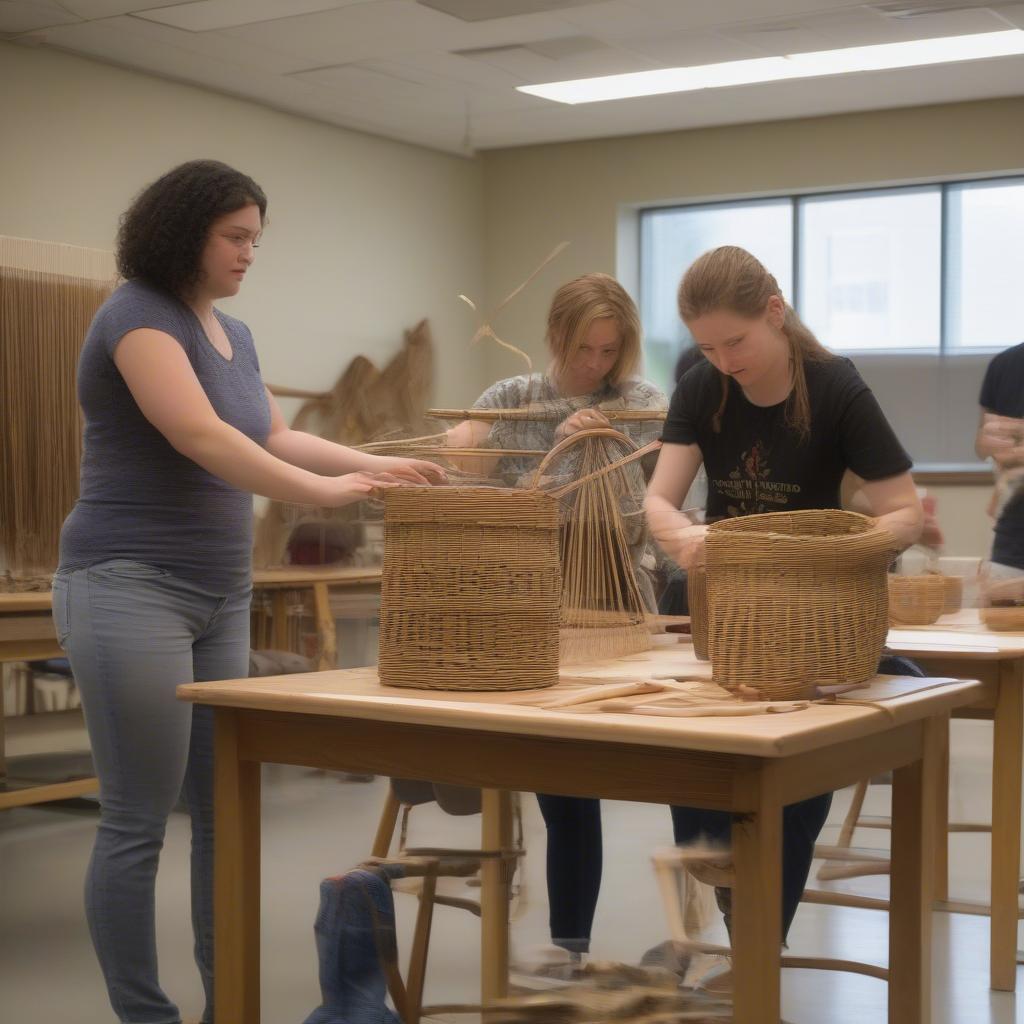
[{"x": 544, "y": 414}]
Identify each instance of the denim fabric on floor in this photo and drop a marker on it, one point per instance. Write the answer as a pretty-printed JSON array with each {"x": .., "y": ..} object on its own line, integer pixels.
[{"x": 355, "y": 936}]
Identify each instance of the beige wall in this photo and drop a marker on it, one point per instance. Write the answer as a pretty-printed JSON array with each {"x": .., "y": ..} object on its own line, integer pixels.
[
  {"x": 365, "y": 237},
  {"x": 587, "y": 193}
]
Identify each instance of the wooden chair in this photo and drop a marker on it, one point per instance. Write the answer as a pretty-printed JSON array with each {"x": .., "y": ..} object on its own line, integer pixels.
[
  {"x": 714, "y": 868},
  {"x": 427, "y": 865}
]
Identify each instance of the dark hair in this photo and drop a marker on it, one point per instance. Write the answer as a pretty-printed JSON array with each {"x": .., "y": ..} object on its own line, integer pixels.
[
  {"x": 162, "y": 234},
  {"x": 688, "y": 359},
  {"x": 731, "y": 278}
]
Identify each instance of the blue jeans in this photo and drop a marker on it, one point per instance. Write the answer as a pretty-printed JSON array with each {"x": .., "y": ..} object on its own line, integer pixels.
[
  {"x": 801, "y": 823},
  {"x": 132, "y": 633},
  {"x": 574, "y": 862}
]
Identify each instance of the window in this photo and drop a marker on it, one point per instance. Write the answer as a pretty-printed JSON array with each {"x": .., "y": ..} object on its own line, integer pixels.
[
  {"x": 985, "y": 227},
  {"x": 899, "y": 279},
  {"x": 673, "y": 239},
  {"x": 870, "y": 268}
]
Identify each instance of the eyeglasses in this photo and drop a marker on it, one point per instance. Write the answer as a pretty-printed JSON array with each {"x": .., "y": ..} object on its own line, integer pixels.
[{"x": 242, "y": 241}]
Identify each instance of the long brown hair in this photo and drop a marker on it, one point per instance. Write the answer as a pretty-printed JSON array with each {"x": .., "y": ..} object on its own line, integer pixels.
[
  {"x": 731, "y": 278},
  {"x": 577, "y": 305}
]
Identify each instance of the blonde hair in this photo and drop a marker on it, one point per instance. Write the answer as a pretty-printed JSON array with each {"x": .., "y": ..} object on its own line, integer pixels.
[
  {"x": 577, "y": 305},
  {"x": 731, "y": 278}
]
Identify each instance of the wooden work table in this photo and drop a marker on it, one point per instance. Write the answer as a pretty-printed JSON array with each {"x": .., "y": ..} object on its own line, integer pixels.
[
  {"x": 752, "y": 766},
  {"x": 960, "y": 645}
]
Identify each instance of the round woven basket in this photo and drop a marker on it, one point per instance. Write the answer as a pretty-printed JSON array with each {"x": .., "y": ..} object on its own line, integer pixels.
[
  {"x": 697, "y": 598},
  {"x": 469, "y": 589},
  {"x": 796, "y": 600},
  {"x": 916, "y": 600},
  {"x": 1004, "y": 618}
]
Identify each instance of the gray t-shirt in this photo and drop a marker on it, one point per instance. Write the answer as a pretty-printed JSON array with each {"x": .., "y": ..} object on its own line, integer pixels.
[{"x": 139, "y": 498}]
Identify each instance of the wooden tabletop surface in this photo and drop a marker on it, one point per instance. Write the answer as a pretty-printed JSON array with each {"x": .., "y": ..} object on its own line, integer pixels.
[
  {"x": 358, "y": 693},
  {"x": 960, "y": 635}
]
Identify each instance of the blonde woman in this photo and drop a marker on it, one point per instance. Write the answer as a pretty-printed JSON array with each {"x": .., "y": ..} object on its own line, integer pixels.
[
  {"x": 593, "y": 338},
  {"x": 777, "y": 420}
]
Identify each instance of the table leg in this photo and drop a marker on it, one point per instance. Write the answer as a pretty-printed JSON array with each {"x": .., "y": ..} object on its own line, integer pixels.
[
  {"x": 1006, "y": 824},
  {"x": 757, "y": 903},
  {"x": 3, "y": 754},
  {"x": 495, "y": 883},
  {"x": 236, "y": 877},
  {"x": 325, "y": 627},
  {"x": 936, "y": 783},
  {"x": 910, "y": 918}
]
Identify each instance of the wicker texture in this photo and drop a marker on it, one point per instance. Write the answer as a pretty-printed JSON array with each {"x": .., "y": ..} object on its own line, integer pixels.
[
  {"x": 954, "y": 594},
  {"x": 1004, "y": 618},
  {"x": 602, "y": 610},
  {"x": 796, "y": 600},
  {"x": 470, "y": 589},
  {"x": 697, "y": 598},
  {"x": 916, "y": 600}
]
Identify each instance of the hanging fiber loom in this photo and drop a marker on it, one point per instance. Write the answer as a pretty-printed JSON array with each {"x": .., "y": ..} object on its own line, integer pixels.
[{"x": 49, "y": 294}]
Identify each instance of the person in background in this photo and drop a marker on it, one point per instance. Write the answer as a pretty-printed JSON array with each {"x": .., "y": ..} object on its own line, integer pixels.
[
  {"x": 593, "y": 339},
  {"x": 1000, "y": 437}
]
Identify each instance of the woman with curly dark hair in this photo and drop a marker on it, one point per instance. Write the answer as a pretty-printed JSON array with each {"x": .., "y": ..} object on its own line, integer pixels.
[{"x": 154, "y": 580}]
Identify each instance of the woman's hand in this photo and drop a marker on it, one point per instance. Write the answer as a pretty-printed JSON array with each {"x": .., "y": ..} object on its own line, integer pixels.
[
  {"x": 414, "y": 471},
  {"x": 353, "y": 487},
  {"x": 1001, "y": 431},
  {"x": 585, "y": 419},
  {"x": 683, "y": 544}
]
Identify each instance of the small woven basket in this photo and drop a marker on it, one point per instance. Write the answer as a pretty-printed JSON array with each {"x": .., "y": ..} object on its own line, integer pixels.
[
  {"x": 796, "y": 600},
  {"x": 916, "y": 600},
  {"x": 469, "y": 589},
  {"x": 1004, "y": 618},
  {"x": 697, "y": 598},
  {"x": 954, "y": 594}
]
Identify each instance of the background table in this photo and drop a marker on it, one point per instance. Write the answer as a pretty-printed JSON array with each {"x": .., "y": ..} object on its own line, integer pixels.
[
  {"x": 27, "y": 634},
  {"x": 960, "y": 645}
]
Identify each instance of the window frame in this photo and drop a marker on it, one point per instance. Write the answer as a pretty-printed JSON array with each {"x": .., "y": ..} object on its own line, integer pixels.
[{"x": 945, "y": 186}]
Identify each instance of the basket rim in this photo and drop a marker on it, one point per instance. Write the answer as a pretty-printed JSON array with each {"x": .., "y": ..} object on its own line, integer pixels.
[{"x": 729, "y": 529}]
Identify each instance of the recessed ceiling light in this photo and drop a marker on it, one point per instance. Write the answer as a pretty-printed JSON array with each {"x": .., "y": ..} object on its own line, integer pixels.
[{"x": 881, "y": 57}]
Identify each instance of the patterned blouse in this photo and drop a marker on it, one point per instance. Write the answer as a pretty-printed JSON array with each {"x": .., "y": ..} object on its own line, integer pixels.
[{"x": 538, "y": 389}]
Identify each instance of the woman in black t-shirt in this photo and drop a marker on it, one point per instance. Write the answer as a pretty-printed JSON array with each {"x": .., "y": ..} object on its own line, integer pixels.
[{"x": 776, "y": 420}]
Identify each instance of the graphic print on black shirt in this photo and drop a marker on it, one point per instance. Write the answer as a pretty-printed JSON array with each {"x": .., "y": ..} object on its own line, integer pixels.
[
  {"x": 758, "y": 463},
  {"x": 750, "y": 489}
]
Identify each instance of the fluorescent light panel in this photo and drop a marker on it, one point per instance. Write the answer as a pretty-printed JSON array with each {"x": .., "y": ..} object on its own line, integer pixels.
[{"x": 881, "y": 57}]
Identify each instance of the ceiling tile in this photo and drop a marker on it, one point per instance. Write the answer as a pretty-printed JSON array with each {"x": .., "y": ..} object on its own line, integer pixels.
[
  {"x": 710, "y": 14},
  {"x": 92, "y": 9},
  {"x": 17, "y": 17},
  {"x": 488, "y": 10},
  {"x": 389, "y": 27},
  {"x": 147, "y": 46},
  {"x": 683, "y": 49},
  {"x": 207, "y": 15},
  {"x": 1012, "y": 14}
]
